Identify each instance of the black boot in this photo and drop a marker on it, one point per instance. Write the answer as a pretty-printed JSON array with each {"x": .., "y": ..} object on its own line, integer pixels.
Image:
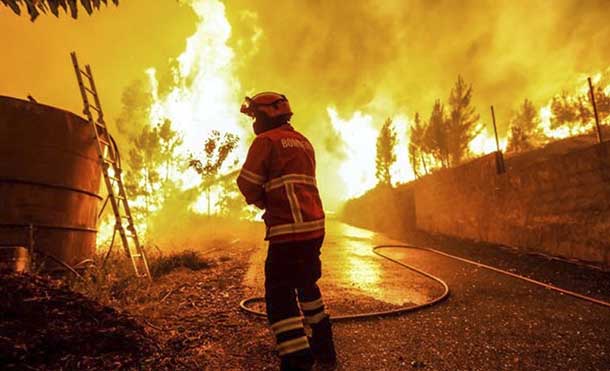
[
  {"x": 299, "y": 361},
  {"x": 322, "y": 345}
]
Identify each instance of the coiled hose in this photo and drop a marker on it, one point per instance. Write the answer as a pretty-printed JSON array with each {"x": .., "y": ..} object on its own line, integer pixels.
[{"x": 244, "y": 303}]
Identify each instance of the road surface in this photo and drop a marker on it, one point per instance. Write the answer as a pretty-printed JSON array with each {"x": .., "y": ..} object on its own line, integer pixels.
[{"x": 490, "y": 321}]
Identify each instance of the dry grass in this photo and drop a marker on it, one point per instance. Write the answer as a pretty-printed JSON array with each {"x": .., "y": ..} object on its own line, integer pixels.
[
  {"x": 114, "y": 283},
  {"x": 164, "y": 264}
]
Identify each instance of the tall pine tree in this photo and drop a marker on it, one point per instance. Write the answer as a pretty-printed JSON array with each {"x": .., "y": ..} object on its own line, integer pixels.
[
  {"x": 436, "y": 137},
  {"x": 525, "y": 133},
  {"x": 462, "y": 125},
  {"x": 416, "y": 143},
  {"x": 386, "y": 156},
  {"x": 564, "y": 112}
]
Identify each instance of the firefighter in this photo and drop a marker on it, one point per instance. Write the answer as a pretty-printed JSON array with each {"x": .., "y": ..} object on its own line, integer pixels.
[{"x": 279, "y": 177}]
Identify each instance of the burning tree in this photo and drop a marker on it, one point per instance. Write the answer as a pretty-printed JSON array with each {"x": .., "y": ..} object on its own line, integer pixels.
[
  {"x": 169, "y": 140},
  {"x": 136, "y": 101},
  {"x": 152, "y": 152},
  {"x": 461, "y": 124},
  {"x": 35, "y": 7},
  {"x": 386, "y": 143},
  {"x": 602, "y": 100},
  {"x": 584, "y": 112},
  {"x": 445, "y": 138},
  {"x": 525, "y": 133},
  {"x": 575, "y": 112},
  {"x": 416, "y": 153},
  {"x": 216, "y": 150},
  {"x": 564, "y": 112},
  {"x": 436, "y": 138}
]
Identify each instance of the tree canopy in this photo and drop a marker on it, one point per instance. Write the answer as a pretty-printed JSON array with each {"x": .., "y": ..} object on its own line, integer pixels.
[
  {"x": 525, "y": 133},
  {"x": 36, "y": 7},
  {"x": 216, "y": 150},
  {"x": 416, "y": 153},
  {"x": 436, "y": 137},
  {"x": 462, "y": 122},
  {"x": 386, "y": 156},
  {"x": 445, "y": 137}
]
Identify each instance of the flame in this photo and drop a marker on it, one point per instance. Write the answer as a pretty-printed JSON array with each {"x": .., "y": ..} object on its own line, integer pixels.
[
  {"x": 576, "y": 128},
  {"x": 546, "y": 115},
  {"x": 357, "y": 170},
  {"x": 359, "y": 138},
  {"x": 205, "y": 96},
  {"x": 104, "y": 234},
  {"x": 401, "y": 170},
  {"x": 485, "y": 143}
]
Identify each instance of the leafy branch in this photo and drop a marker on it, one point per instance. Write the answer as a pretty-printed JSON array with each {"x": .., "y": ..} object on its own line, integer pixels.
[{"x": 36, "y": 7}]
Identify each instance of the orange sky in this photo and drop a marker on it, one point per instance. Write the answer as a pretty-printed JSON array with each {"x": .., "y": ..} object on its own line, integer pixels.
[{"x": 118, "y": 42}]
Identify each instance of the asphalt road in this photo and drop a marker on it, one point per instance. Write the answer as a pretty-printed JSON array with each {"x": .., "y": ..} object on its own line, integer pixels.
[{"x": 489, "y": 322}]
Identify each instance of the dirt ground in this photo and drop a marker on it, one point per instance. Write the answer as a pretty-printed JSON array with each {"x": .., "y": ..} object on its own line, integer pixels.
[{"x": 185, "y": 320}]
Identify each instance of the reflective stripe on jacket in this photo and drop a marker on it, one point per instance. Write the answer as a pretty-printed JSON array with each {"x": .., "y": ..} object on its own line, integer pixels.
[{"x": 279, "y": 174}]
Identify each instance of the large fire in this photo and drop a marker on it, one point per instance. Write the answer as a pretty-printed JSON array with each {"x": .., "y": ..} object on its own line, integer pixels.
[
  {"x": 580, "y": 89},
  {"x": 206, "y": 93},
  {"x": 210, "y": 99}
]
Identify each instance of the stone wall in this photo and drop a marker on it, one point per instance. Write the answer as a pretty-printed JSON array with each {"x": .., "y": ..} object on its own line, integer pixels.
[{"x": 551, "y": 201}]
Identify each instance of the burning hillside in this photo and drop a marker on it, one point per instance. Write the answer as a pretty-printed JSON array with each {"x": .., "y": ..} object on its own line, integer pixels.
[
  {"x": 346, "y": 74},
  {"x": 179, "y": 108}
]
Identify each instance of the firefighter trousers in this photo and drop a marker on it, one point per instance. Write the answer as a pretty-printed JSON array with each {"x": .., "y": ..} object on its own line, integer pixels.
[{"x": 291, "y": 271}]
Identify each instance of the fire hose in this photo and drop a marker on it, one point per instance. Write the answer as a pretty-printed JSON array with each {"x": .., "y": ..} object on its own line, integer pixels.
[{"x": 244, "y": 304}]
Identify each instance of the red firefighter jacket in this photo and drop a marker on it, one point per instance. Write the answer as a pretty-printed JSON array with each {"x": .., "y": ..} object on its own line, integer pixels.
[{"x": 280, "y": 175}]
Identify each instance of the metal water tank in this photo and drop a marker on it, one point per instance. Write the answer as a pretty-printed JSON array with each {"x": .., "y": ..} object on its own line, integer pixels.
[{"x": 49, "y": 182}]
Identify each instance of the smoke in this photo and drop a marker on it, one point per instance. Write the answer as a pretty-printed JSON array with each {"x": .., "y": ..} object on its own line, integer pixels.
[
  {"x": 323, "y": 53},
  {"x": 396, "y": 57}
]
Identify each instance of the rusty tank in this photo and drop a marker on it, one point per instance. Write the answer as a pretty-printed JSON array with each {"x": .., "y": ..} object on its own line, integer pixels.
[{"x": 49, "y": 183}]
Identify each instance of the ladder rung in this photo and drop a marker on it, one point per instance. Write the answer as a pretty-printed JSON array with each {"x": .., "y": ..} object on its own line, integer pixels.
[
  {"x": 136, "y": 255},
  {"x": 94, "y": 108},
  {"x": 104, "y": 141},
  {"x": 92, "y": 93},
  {"x": 84, "y": 73}
]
